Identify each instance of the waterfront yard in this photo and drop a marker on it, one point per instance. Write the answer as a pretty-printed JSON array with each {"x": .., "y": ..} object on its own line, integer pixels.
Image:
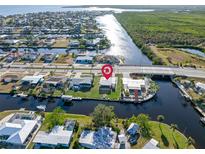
[
  {"x": 165, "y": 136},
  {"x": 94, "y": 91},
  {"x": 198, "y": 98},
  {"x": 6, "y": 87},
  {"x": 172, "y": 56},
  {"x": 8, "y": 112},
  {"x": 162, "y": 133}
]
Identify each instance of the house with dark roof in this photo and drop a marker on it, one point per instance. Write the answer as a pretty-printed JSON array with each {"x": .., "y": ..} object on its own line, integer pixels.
[{"x": 81, "y": 82}]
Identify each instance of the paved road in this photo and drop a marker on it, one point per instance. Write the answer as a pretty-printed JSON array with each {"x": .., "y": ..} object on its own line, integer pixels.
[{"x": 125, "y": 69}]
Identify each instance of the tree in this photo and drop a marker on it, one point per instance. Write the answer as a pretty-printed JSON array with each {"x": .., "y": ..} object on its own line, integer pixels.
[
  {"x": 190, "y": 141},
  {"x": 143, "y": 121},
  {"x": 55, "y": 118},
  {"x": 160, "y": 118},
  {"x": 51, "y": 73},
  {"x": 102, "y": 115},
  {"x": 174, "y": 127}
]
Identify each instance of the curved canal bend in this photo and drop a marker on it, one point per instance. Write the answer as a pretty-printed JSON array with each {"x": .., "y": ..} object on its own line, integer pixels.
[{"x": 167, "y": 102}]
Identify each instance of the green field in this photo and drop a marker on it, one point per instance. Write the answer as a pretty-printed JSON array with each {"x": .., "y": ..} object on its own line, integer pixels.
[
  {"x": 173, "y": 56},
  {"x": 166, "y": 138},
  {"x": 165, "y": 29},
  {"x": 182, "y": 28}
]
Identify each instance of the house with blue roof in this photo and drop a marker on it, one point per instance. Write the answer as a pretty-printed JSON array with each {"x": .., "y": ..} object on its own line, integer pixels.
[
  {"x": 84, "y": 60},
  {"x": 103, "y": 138},
  {"x": 133, "y": 129}
]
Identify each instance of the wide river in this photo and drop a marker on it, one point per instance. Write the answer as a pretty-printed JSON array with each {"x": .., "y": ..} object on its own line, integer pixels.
[{"x": 168, "y": 100}]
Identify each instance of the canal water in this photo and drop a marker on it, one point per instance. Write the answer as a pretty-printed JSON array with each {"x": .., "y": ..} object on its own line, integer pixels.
[
  {"x": 194, "y": 51},
  {"x": 167, "y": 102},
  {"x": 121, "y": 42}
]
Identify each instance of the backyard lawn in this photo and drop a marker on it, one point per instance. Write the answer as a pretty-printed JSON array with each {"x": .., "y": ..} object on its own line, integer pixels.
[
  {"x": 94, "y": 92},
  {"x": 82, "y": 120},
  {"x": 6, "y": 113},
  {"x": 165, "y": 136},
  {"x": 6, "y": 88}
]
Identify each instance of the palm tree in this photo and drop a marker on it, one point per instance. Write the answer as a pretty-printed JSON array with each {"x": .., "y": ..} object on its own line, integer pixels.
[
  {"x": 190, "y": 141},
  {"x": 160, "y": 118},
  {"x": 174, "y": 127}
]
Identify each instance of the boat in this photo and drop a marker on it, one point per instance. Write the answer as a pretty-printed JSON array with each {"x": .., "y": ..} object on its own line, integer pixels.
[
  {"x": 23, "y": 96},
  {"x": 66, "y": 98},
  {"x": 41, "y": 107},
  {"x": 14, "y": 95},
  {"x": 202, "y": 120},
  {"x": 77, "y": 98}
]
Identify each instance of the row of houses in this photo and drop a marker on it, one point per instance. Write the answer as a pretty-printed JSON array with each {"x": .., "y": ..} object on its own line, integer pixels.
[
  {"x": 132, "y": 88},
  {"x": 27, "y": 56},
  {"x": 106, "y": 138},
  {"x": 19, "y": 129}
]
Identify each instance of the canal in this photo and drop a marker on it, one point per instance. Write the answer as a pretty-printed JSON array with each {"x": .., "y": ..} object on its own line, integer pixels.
[{"x": 121, "y": 42}]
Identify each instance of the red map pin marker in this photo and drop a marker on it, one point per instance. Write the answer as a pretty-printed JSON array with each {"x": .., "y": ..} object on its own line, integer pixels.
[{"x": 107, "y": 71}]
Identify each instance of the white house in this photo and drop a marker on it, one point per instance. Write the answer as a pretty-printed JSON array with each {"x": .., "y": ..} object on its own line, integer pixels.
[
  {"x": 122, "y": 138},
  {"x": 152, "y": 144},
  {"x": 60, "y": 136},
  {"x": 200, "y": 86},
  {"x": 18, "y": 128},
  {"x": 131, "y": 85},
  {"x": 35, "y": 79},
  {"x": 103, "y": 138}
]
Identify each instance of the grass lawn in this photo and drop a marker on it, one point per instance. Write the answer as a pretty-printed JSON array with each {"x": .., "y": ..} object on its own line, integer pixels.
[
  {"x": 171, "y": 56},
  {"x": 65, "y": 59},
  {"x": 6, "y": 88},
  {"x": 82, "y": 119},
  {"x": 167, "y": 139},
  {"x": 94, "y": 92},
  {"x": 6, "y": 113},
  {"x": 62, "y": 43}
]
